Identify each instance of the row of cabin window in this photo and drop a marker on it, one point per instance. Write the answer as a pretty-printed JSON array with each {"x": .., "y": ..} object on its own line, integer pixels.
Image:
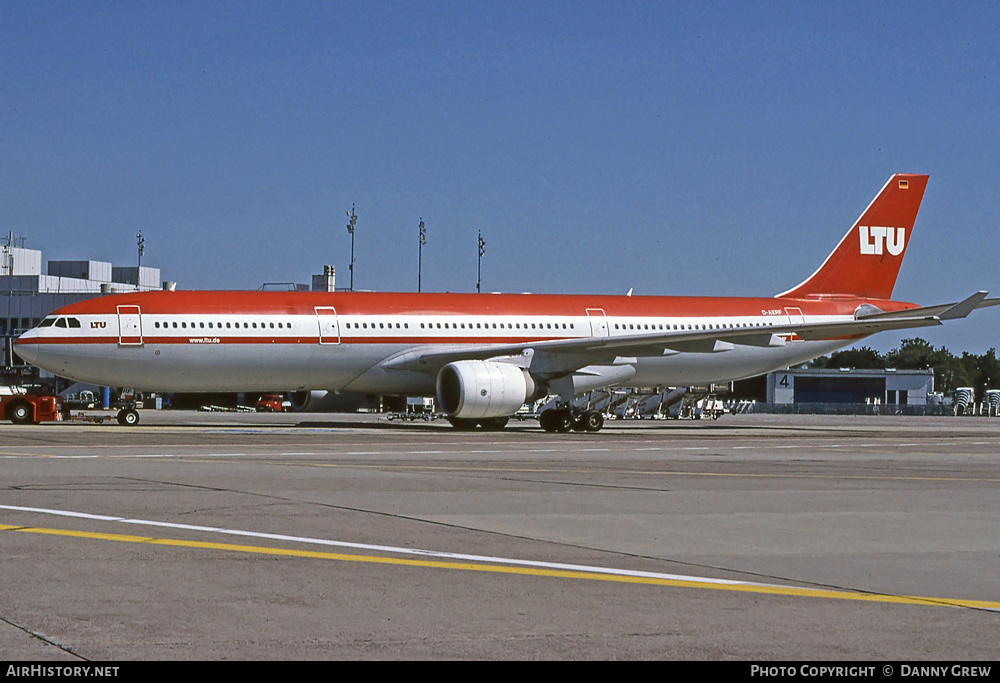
[
  {"x": 184, "y": 325},
  {"x": 456, "y": 326},
  {"x": 357, "y": 326},
  {"x": 73, "y": 322},
  {"x": 708, "y": 326},
  {"x": 509, "y": 326},
  {"x": 382, "y": 326}
]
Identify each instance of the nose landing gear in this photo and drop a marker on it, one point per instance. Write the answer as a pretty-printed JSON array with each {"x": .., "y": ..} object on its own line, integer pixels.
[{"x": 128, "y": 417}]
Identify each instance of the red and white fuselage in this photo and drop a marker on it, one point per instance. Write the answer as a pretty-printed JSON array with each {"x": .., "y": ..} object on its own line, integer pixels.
[
  {"x": 486, "y": 354},
  {"x": 261, "y": 341}
]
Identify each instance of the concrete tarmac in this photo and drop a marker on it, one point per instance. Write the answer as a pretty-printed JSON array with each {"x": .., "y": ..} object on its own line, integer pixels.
[{"x": 231, "y": 536}]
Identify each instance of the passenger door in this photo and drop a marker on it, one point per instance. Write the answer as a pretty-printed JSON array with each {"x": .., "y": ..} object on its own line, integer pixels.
[
  {"x": 329, "y": 327},
  {"x": 598, "y": 322},
  {"x": 129, "y": 326}
]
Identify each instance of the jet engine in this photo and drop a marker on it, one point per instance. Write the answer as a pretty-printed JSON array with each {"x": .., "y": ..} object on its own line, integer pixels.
[{"x": 476, "y": 389}]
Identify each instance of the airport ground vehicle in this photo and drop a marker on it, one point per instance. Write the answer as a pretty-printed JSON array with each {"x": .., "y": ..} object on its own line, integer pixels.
[
  {"x": 83, "y": 400},
  {"x": 485, "y": 355},
  {"x": 270, "y": 403},
  {"x": 31, "y": 408},
  {"x": 417, "y": 408}
]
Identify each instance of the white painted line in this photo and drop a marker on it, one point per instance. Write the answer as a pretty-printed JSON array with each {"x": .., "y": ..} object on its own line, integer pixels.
[{"x": 385, "y": 548}]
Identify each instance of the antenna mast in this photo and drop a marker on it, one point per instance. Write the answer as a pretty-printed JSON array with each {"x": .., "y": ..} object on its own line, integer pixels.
[{"x": 350, "y": 228}]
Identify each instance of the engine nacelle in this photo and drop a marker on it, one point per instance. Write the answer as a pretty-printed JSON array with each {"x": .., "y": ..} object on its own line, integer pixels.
[{"x": 474, "y": 389}]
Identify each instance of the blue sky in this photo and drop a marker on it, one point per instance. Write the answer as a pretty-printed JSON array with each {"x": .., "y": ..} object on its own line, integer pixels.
[{"x": 717, "y": 148}]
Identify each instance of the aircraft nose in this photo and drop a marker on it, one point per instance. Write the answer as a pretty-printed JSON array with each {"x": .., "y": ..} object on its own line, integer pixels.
[{"x": 24, "y": 347}]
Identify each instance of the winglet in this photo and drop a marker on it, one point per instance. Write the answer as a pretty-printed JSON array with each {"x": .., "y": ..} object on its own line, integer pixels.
[
  {"x": 867, "y": 260},
  {"x": 964, "y": 307}
]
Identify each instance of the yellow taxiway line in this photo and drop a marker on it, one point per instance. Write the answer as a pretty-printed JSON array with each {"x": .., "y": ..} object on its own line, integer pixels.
[{"x": 524, "y": 571}]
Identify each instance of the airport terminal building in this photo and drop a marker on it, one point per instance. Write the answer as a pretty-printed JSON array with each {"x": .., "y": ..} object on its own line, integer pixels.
[{"x": 809, "y": 390}]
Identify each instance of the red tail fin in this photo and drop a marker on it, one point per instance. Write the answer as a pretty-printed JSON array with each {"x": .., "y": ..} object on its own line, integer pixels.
[{"x": 867, "y": 260}]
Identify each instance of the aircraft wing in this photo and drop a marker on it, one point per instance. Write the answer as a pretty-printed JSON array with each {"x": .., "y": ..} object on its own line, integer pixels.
[
  {"x": 580, "y": 352},
  {"x": 943, "y": 311}
]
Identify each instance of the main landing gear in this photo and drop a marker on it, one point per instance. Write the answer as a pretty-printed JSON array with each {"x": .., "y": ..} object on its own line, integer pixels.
[
  {"x": 551, "y": 420},
  {"x": 564, "y": 420}
]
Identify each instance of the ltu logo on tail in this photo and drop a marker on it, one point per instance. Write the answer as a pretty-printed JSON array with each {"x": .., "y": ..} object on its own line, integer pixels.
[{"x": 873, "y": 238}]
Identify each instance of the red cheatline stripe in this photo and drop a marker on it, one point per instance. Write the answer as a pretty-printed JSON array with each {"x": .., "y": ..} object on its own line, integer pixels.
[{"x": 410, "y": 341}]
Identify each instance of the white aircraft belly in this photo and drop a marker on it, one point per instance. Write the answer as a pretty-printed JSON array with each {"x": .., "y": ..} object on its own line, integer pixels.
[{"x": 207, "y": 367}]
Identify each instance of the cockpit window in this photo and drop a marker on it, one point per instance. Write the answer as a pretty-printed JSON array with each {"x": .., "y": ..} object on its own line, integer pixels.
[
  {"x": 73, "y": 322},
  {"x": 61, "y": 322},
  {"x": 48, "y": 322}
]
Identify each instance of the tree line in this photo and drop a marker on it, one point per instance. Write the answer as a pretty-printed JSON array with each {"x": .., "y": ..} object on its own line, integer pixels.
[{"x": 950, "y": 371}]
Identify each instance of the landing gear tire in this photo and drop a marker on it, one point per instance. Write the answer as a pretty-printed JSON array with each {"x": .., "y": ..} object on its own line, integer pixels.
[
  {"x": 128, "y": 418},
  {"x": 563, "y": 421},
  {"x": 494, "y": 424},
  {"x": 592, "y": 421},
  {"x": 462, "y": 424}
]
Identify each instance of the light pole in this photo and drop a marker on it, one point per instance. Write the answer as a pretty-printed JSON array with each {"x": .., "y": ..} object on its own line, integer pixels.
[
  {"x": 350, "y": 228},
  {"x": 142, "y": 248},
  {"x": 479, "y": 267},
  {"x": 420, "y": 252}
]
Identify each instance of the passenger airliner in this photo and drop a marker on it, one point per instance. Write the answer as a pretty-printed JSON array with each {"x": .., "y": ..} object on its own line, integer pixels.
[{"x": 485, "y": 355}]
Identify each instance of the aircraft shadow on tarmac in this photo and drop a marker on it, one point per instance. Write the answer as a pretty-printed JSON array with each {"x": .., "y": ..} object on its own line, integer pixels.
[{"x": 532, "y": 426}]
